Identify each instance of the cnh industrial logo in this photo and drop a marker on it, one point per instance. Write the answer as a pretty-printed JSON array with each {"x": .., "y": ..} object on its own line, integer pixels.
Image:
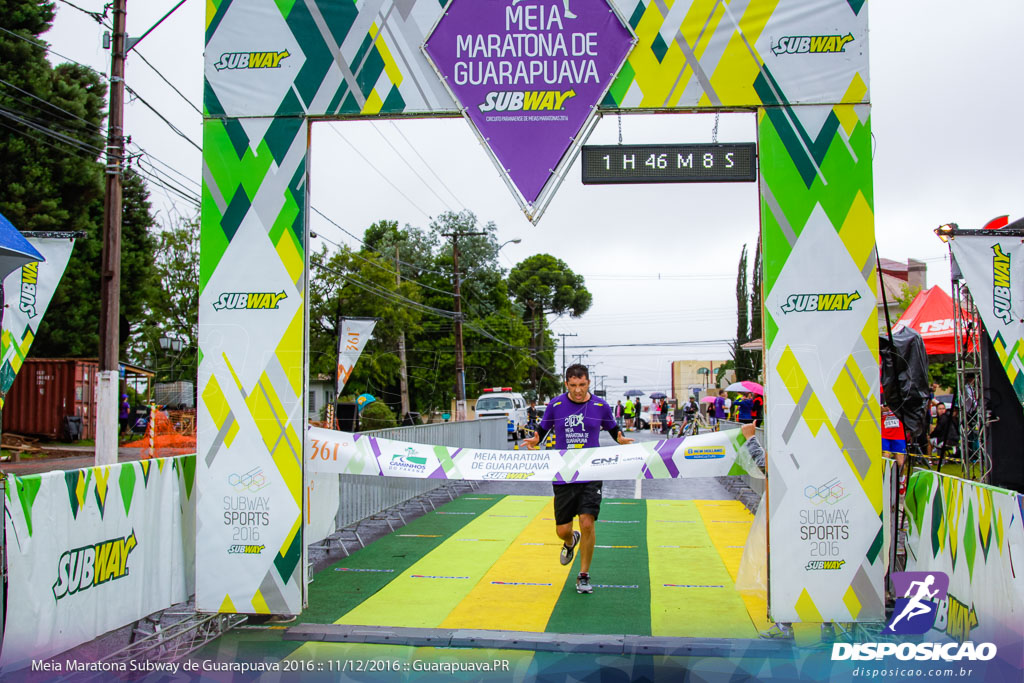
[{"x": 914, "y": 614}]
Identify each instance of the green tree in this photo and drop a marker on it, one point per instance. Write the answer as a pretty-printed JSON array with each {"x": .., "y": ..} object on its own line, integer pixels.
[
  {"x": 377, "y": 415},
  {"x": 51, "y": 142},
  {"x": 542, "y": 285},
  {"x": 756, "y": 357},
  {"x": 943, "y": 374},
  {"x": 742, "y": 359},
  {"x": 173, "y": 307}
]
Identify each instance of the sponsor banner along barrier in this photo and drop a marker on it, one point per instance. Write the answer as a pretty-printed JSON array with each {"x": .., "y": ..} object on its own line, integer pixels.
[
  {"x": 993, "y": 266},
  {"x": 352, "y": 338},
  {"x": 704, "y": 455},
  {"x": 973, "y": 534},
  {"x": 93, "y": 550},
  {"x": 27, "y": 295}
]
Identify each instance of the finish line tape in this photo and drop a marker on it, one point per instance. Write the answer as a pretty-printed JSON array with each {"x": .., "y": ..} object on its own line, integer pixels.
[{"x": 360, "y": 569}]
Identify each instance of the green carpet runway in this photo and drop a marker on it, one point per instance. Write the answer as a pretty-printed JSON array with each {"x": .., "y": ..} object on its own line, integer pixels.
[{"x": 660, "y": 568}]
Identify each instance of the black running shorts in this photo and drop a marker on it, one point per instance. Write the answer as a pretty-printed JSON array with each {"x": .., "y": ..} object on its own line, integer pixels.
[{"x": 576, "y": 499}]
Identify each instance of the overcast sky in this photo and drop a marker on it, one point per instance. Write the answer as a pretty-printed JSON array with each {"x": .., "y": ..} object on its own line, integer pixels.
[{"x": 660, "y": 260}]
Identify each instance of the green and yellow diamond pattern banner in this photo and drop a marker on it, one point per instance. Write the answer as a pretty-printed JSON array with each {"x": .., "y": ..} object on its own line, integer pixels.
[
  {"x": 993, "y": 267},
  {"x": 973, "y": 534},
  {"x": 823, "y": 430},
  {"x": 92, "y": 550},
  {"x": 802, "y": 64}
]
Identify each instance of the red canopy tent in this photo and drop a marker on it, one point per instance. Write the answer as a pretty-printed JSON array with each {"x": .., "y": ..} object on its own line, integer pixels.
[{"x": 931, "y": 314}]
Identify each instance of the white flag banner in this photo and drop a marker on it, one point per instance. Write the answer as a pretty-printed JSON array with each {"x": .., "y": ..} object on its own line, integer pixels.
[
  {"x": 27, "y": 294},
  {"x": 993, "y": 266},
  {"x": 714, "y": 454},
  {"x": 352, "y": 339}
]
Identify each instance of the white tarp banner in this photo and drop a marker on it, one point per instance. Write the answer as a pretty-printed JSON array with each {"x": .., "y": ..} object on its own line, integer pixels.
[
  {"x": 92, "y": 550},
  {"x": 993, "y": 266},
  {"x": 713, "y": 454},
  {"x": 354, "y": 334},
  {"x": 27, "y": 294}
]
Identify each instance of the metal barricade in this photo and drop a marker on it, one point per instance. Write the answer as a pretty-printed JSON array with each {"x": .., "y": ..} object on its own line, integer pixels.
[{"x": 363, "y": 496}]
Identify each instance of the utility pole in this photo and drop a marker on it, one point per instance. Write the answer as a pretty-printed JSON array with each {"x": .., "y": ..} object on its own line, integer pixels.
[
  {"x": 563, "y": 336},
  {"x": 110, "y": 275},
  {"x": 460, "y": 366},
  {"x": 403, "y": 379}
]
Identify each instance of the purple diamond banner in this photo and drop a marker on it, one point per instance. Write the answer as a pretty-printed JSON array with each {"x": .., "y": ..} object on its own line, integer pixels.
[{"x": 528, "y": 75}]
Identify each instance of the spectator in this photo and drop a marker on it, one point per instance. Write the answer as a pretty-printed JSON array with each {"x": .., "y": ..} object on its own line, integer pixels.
[
  {"x": 745, "y": 407},
  {"x": 628, "y": 411},
  {"x": 124, "y": 415},
  {"x": 664, "y": 416},
  {"x": 757, "y": 412},
  {"x": 619, "y": 412},
  {"x": 720, "y": 413}
]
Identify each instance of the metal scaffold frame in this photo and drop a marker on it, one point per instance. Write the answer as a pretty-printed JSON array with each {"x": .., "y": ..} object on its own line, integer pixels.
[{"x": 970, "y": 398}]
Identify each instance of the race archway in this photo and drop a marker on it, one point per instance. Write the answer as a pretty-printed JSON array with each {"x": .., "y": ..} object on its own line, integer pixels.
[{"x": 274, "y": 66}]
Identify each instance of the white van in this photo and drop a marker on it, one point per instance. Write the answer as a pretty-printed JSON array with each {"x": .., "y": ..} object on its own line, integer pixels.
[{"x": 502, "y": 401}]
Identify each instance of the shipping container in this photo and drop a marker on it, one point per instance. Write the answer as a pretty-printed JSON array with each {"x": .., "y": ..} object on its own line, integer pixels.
[{"x": 48, "y": 390}]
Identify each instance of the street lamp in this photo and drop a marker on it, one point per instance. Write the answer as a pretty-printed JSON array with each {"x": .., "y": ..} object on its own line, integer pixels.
[
  {"x": 515, "y": 240},
  {"x": 170, "y": 344}
]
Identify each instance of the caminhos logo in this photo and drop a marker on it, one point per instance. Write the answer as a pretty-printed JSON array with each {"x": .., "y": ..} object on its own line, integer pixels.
[
  {"x": 802, "y": 45},
  {"x": 808, "y": 303},
  {"x": 29, "y": 278},
  {"x": 1001, "y": 284},
  {"x": 235, "y": 301},
  {"x": 92, "y": 565},
  {"x": 251, "y": 60}
]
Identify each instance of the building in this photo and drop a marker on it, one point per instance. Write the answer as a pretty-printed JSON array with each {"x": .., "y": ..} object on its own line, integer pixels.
[
  {"x": 899, "y": 281},
  {"x": 692, "y": 376}
]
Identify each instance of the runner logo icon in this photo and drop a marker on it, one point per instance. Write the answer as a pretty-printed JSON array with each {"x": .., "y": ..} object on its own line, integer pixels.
[{"x": 921, "y": 593}]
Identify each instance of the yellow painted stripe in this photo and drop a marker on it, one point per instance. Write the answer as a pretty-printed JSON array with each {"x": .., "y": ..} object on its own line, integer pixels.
[
  {"x": 692, "y": 592},
  {"x": 520, "y": 590},
  {"x": 427, "y": 602}
]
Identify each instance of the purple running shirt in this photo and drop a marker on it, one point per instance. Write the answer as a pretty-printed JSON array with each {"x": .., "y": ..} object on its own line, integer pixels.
[{"x": 577, "y": 425}]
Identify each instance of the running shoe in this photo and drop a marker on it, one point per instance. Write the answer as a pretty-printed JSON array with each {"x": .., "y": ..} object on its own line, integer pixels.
[
  {"x": 567, "y": 552},
  {"x": 583, "y": 583}
]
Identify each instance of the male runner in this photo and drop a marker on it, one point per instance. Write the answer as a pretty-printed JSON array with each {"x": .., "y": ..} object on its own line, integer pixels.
[{"x": 577, "y": 418}]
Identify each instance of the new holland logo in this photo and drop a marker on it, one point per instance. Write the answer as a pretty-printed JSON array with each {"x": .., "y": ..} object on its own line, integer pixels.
[
  {"x": 29, "y": 278},
  {"x": 235, "y": 301},
  {"x": 251, "y": 60},
  {"x": 93, "y": 565},
  {"x": 802, "y": 45},
  {"x": 530, "y": 100},
  {"x": 245, "y": 549},
  {"x": 807, "y": 303},
  {"x": 705, "y": 453},
  {"x": 824, "y": 565},
  {"x": 1001, "y": 284}
]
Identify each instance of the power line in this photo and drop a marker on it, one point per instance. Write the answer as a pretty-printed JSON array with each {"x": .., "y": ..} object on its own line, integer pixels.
[
  {"x": 164, "y": 79},
  {"x": 153, "y": 27},
  {"x": 162, "y": 117},
  {"x": 100, "y": 18},
  {"x": 378, "y": 172},
  {"x": 98, "y": 128},
  {"x": 429, "y": 167},
  {"x": 415, "y": 172},
  {"x": 49, "y": 49}
]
